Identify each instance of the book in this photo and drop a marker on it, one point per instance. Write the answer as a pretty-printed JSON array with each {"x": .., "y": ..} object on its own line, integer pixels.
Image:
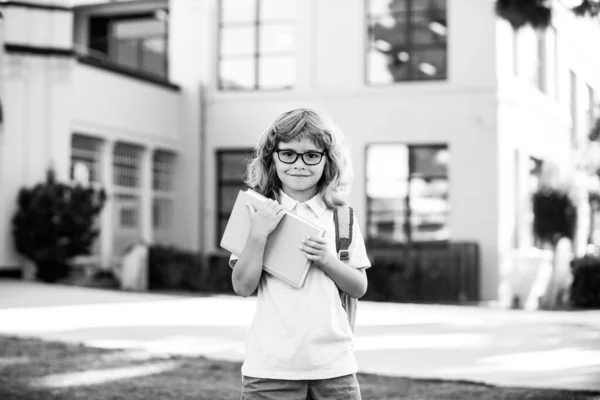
[{"x": 283, "y": 257}]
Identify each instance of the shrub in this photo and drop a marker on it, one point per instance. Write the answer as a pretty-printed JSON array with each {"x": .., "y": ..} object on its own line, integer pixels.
[
  {"x": 554, "y": 215},
  {"x": 55, "y": 222},
  {"x": 585, "y": 288},
  {"x": 173, "y": 268}
]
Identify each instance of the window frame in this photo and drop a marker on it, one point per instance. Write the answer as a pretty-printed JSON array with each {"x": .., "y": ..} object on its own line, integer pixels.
[
  {"x": 255, "y": 56},
  {"x": 110, "y": 38},
  {"x": 411, "y": 46},
  {"x": 407, "y": 226},
  {"x": 223, "y": 183}
]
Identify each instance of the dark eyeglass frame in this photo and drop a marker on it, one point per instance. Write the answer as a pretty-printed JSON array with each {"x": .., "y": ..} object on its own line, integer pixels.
[{"x": 321, "y": 153}]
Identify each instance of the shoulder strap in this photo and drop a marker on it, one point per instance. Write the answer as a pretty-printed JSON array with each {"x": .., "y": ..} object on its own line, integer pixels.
[{"x": 343, "y": 217}]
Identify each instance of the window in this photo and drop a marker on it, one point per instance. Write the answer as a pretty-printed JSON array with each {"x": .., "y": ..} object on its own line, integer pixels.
[
  {"x": 407, "y": 193},
  {"x": 407, "y": 40},
  {"x": 85, "y": 159},
  {"x": 163, "y": 200},
  {"x": 126, "y": 195},
  {"x": 231, "y": 169},
  {"x": 256, "y": 44},
  {"x": 137, "y": 42}
]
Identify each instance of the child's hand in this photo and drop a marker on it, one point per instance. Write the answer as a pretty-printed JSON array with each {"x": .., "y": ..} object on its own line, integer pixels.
[
  {"x": 265, "y": 219},
  {"x": 318, "y": 251}
]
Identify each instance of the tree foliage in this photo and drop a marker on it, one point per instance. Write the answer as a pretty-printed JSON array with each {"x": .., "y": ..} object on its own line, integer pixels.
[
  {"x": 538, "y": 13},
  {"x": 554, "y": 215},
  {"x": 55, "y": 222}
]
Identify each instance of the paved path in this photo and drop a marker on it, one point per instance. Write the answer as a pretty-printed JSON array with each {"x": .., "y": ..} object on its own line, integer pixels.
[{"x": 503, "y": 347}]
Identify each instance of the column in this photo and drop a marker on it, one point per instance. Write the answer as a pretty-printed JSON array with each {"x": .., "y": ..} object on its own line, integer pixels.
[
  {"x": 146, "y": 195},
  {"x": 106, "y": 216}
]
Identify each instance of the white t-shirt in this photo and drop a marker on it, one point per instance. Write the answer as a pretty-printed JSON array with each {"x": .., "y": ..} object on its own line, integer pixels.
[{"x": 303, "y": 333}]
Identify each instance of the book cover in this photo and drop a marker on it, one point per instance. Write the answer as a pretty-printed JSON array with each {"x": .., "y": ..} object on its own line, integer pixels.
[{"x": 282, "y": 257}]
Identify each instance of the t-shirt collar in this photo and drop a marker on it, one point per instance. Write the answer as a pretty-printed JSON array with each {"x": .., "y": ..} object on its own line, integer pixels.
[{"x": 316, "y": 203}]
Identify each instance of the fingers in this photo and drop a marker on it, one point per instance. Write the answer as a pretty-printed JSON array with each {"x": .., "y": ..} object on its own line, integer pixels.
[
  {"x": 311, "y": 246},
  {"x": 251, "y": 209},
  {"x": 316, "y": 239}
]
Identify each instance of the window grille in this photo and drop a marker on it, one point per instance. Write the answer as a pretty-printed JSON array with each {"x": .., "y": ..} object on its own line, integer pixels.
[
  {"x": 256, "y": 47},
  {"x": 231, "y": 168},
  {"x": 126, "y": 165},
  {"x": 163, "y": 185},
  {"x": 407, "y": 41},
  {"x": 407, "y": 193},
  {"x": 86, "y": 150}
]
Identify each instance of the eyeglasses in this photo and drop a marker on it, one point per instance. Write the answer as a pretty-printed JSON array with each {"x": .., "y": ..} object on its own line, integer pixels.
[{"x": 309, "y": 158}]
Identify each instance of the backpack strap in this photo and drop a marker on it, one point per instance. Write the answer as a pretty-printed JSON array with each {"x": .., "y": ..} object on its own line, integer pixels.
[{"x": 343, "y": 217}]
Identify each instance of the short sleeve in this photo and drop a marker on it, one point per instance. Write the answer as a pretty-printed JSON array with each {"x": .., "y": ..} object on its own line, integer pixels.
[
  {"x": 357, "y": 250},
  {"x": 232, "y": 260}
]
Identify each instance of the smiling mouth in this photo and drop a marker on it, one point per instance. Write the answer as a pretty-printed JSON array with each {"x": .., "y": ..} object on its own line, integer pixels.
[{"x": 298, "y": 176}]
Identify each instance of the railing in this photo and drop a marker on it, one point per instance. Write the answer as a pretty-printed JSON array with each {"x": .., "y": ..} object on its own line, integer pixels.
[{"x": 443, "y": 272}]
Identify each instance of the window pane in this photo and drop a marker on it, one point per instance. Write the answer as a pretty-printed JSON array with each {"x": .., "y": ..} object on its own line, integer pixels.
[
  {"x": 138, "y": 28},
  {"x": 277, "y": 72},
  {"x": 390, "y": 30},
  {"x": 429, "y": 64},
  {"x": 428, "y": 28},
  {"x": 386, "y": 220},
  {"x": 428, "y": 5},
  {"x": 277, "y": 10},
  {"x": 385, "y": 6},
  {"x": 383, "y": 68},
  {"x": 429, "y": 209},
  {"x": 430, "y": 161},
  {"x": 238, "y": 73},
  {"x": 237, "y": 40},
  {"x": 153, "y": 56},
  {"x": 387, "y": 188},
  {"x": 238, "y": 10},
  {"x": 276, "y": 38},
  {"x": 233, "y": 166},
  {"x": 127, "y": 52},
  {"x": 387, "y": 171},
  {"x": 228, "y": 195}
]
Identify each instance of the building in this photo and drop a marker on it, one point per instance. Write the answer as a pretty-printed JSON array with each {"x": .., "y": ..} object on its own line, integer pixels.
[{"x": 450, "y": 111}]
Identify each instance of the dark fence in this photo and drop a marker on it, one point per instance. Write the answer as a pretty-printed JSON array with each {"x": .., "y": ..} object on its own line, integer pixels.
[{"x": 425, "y": 273}]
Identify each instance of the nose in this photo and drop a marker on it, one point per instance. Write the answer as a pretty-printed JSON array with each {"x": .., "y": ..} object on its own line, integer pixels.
[{"x": 299, "y": 163}]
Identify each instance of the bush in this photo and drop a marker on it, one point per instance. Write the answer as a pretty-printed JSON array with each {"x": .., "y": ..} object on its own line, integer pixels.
[
  {"x": 585, "y": 289},
  {"x": 554, "y": 215},
  {"x": 55, "y": 222},
  {"x": 172, "y": 268}
]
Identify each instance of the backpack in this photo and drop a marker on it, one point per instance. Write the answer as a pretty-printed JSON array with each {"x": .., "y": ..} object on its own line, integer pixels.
[{"x": 343, "y": 218}]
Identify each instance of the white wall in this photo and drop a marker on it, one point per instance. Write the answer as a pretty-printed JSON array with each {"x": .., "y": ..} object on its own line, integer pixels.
[{"x": 121, "y": 106}]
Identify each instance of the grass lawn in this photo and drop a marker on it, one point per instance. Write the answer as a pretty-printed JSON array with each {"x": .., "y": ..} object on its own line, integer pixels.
[{"x": 31, "y": 369}]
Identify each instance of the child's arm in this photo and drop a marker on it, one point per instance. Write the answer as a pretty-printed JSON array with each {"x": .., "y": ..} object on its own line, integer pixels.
[
  {"x": 350, "y": 280},
  {"x": 248, "y": 269}
]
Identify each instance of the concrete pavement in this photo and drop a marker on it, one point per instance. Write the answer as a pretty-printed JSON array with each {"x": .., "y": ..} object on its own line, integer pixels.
[{"x": 557, "y": 349}]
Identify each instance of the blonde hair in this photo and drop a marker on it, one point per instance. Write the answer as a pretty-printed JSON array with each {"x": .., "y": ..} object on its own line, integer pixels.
[{"x": 298, "y": 124}]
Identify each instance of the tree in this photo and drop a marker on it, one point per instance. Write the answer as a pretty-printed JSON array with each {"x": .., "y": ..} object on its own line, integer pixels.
[
  {"x": 538, "y": 13},
  {"x": 55, "y": 222}
]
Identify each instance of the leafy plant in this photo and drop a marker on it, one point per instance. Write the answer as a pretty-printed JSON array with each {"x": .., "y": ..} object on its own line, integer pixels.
[
  {"x": 54, "y": 222},
  {"x": 554, "y": 215},
  {"x": 538, "y": 13}
]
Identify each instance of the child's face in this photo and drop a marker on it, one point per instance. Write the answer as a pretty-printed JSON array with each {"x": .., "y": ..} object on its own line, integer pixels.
[{"x": 298, "y": 179}]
